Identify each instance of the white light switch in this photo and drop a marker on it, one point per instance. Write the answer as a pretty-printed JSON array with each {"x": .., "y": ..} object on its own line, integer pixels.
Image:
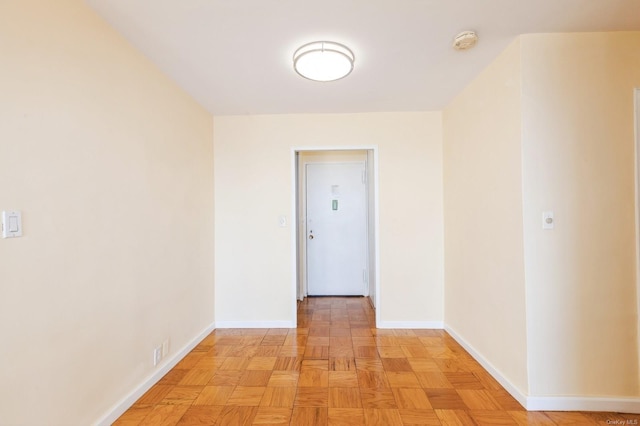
[
  {"x": 547, "y": 220},
  {"x": 11, "y": 224}
]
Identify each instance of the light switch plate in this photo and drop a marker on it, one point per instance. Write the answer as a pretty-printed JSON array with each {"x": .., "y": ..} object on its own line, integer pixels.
[{"x": 11, "y": 224}]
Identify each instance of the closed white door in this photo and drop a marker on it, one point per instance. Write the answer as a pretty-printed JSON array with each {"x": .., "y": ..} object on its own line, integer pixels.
[{"x": 336, "y": 229}]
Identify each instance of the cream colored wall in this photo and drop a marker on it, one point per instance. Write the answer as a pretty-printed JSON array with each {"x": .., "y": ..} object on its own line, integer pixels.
[
  {"x": 253, "y": 186},
  {"x": 548, "y": 126},
  {"x": 578, "y": 161},
  {"x": 112, "y": 167},
  {"x": 345, "y": 156},
  {"x": 484, "y": 258}
]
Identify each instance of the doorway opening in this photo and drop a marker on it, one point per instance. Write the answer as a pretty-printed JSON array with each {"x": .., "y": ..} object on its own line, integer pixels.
[{"x": 324, "y": 264}]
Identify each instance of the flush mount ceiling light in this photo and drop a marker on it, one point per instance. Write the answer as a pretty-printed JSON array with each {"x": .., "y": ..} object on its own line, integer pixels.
[
  {"x": 465, "y": 40},
  {"x": 323, "y": 61}
]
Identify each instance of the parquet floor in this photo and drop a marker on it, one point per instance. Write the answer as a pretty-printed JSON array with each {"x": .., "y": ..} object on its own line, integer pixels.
[{"x": 336, "y": 368}]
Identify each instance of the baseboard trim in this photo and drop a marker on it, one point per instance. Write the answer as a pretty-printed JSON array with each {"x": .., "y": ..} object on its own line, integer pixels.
[
  {"x": 123, "y": 405},
  {"x": 255, "y": 324},
  {"x": 495, "y": 373},
  {"x": 583, "y": 403},
  {"x": 410, "y": 324},
  {"x": 550, "y": 403}
]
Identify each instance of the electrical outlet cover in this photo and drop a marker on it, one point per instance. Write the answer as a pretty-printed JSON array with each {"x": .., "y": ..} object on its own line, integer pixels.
[{"x": 157, "y": 355}]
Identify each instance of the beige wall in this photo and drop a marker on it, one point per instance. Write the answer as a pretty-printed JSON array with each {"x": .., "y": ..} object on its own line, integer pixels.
[
  {"x": 548, "y": 126},
  {"x": 484, "y": 258},
  {"x": 578, "y": 160},
  {"x": 112, "y": 167},
  {"x": 253, "y": 186}
]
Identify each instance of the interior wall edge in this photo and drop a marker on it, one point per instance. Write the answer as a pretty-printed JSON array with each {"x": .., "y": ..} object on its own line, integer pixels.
[{"x": 636, "y": 127}]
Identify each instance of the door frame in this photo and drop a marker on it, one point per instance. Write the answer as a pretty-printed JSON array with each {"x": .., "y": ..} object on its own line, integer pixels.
[
  {"x": 636, "y": 125},
  {"x": 372, "y": 152}
]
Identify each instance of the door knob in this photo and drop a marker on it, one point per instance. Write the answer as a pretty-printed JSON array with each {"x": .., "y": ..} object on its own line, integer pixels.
[{"x": 311, "y": 237}]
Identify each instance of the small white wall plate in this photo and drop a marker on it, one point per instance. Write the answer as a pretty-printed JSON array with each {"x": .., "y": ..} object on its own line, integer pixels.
[{"x": 11, "y": 224}]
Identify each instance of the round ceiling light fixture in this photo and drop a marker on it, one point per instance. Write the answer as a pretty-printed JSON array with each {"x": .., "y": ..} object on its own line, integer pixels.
[{"x": 323, "y": 61}]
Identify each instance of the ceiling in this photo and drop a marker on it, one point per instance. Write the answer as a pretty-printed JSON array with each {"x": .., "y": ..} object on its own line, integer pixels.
[{"x": 235, "y": 56}]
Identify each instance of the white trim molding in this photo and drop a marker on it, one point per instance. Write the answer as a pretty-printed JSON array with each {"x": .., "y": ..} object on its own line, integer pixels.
[
  {"x": 411, "y": 324},
  {"x": 583, "y": 403},
  {"x": 255, "y": 324},
  {"x": 551, "y": 403},
  {"x": 520, "y": 396},
  {"x": 636, "y": 147},
  {"x": 124, "y": 404}
]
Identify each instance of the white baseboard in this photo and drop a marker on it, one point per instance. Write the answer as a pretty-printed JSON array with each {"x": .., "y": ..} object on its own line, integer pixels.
[
  {"x": 520, "y": 396},
  {"x": 255, "y": 324},
  {"x": 410, "y": 324},
  {"x": 583, "y": 403},
  {"x": 123, "y": 405},
  {"x": 551, "y": 403}
]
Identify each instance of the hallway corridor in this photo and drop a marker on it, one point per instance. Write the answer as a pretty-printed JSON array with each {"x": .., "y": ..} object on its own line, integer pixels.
[{"x": 336, "y": 368}]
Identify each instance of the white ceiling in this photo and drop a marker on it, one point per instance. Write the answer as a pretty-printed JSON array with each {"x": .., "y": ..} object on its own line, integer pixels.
[{"x": 235, "y": 56}]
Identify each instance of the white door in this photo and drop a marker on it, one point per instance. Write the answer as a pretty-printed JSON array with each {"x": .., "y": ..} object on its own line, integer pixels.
[{"x": 336, "y": 229}]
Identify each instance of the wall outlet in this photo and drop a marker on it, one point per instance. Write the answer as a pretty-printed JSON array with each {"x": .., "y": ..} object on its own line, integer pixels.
[
  {"x": 157, "y": 355},
  {"x": 165, "y": 348}
]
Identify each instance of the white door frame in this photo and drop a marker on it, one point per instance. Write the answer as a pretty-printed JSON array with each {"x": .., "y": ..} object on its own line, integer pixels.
[
  {"x": 636, "y": 114},
  {"x": 294, "y": 214}
]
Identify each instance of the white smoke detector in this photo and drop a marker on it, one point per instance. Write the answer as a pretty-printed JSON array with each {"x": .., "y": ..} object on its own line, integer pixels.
[{"x": 465, "y": 40}]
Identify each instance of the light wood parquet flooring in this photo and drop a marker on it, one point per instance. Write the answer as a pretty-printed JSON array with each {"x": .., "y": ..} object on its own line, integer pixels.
[{"x": 336, "y": 368}]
